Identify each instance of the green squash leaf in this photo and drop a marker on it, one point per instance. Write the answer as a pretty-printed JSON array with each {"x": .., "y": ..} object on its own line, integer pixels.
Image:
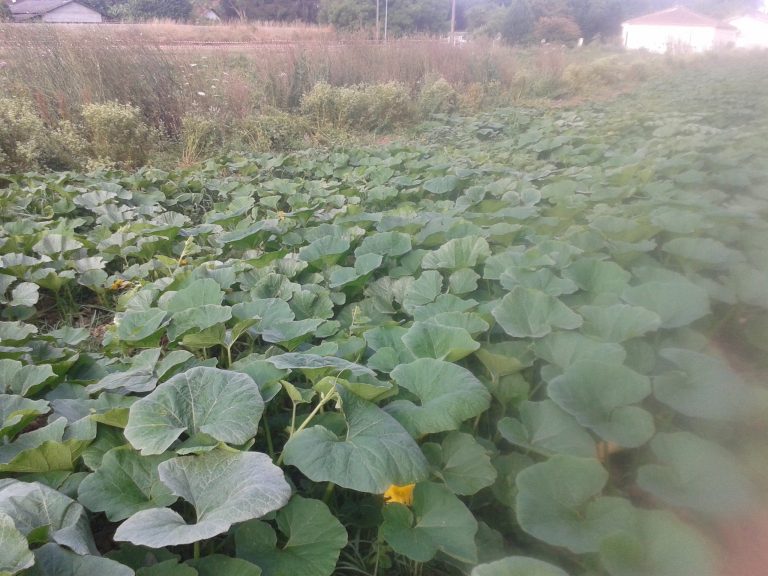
[
  {"x": 439, "y": 522},
  {"x": 564, "y": 348},
  {"x": 558, "y": 502},
  {"x": 545, "y": 428},
  {"x": 697, "y": 474},
  {"x": 16, "y": 412},
  {"x": 441, "y": 184},
  {"x": 220, "y": 565},
  {"x": 125, "y": 483},
  {"x": 425, "y": 289},
  {"x": 702, "y": 387},
  {"x": 199, "y": 318},
  {"x": 517, "y": 566},
  {"x": 16, "y": 555},
  {"x": 375, "y": 452},
  {"x": 53, "y": 560},
  {"x": 461, "y": 463},
  {"x": 448, "y": 395},
  {"x": 704, "y": 251},
  {"x": 325, "y": 251},
  {"x": 135, "y": 326},
  {"x": 618, "y": 322},
  {"x": 529, "y": 313},
  {"x": 314, "y": 539},
  {"x": 36, "y": 508},
  {"x": 391, "y": 244},
  {"x": 225, "y": 405},
  {"x": 658, "y": 543},
  {"x": 458, "y": 253},
  {"x": 677, "y": 303},
  {"x": 432, "y": 340},
  {"x": 199, "y": 293},
  {"x": 224, "y": 486},
  {"x": 598, "y": 276},
  {"x": 599, "y": 395},
  {"x": 15, "y": 378}
]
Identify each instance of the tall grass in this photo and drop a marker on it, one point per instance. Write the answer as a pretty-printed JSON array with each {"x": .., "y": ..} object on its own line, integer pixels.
[
  {"x": 61, "y": 69},
  {"x": 61, "y": 73}
]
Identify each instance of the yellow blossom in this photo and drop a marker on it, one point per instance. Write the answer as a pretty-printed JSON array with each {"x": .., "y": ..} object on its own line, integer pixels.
[
  {"x": 400, "y": 494},
  {"x": 280, "y": 215},
  {"x": 119, "y": 284}
]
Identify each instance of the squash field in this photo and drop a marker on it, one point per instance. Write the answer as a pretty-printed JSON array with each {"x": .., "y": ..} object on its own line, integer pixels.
[{"x": 530, "y": 344}]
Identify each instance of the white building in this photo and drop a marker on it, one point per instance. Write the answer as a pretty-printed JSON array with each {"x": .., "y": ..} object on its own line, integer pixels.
[
  {"x": 53, "y": 11},
  {"x": 677, "y": 29},
  {"x": 753, "y": 30}
]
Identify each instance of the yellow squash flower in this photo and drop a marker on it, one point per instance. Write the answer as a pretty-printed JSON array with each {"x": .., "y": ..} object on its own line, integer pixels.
[
  {"x": 400, "y": 494},
  {"x": 119, "y": 284}
]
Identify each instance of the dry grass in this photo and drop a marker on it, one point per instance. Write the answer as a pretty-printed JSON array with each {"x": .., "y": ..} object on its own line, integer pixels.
[
  {"x": 167, "y": 32},
  {"x": 221, "y": 90}
]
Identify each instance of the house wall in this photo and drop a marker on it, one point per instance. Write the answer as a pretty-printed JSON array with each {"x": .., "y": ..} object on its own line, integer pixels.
[
  {"x": 753, "y": 33},
  {"x": 663, "y": 39},
  {"x": 72, "y": 12}
]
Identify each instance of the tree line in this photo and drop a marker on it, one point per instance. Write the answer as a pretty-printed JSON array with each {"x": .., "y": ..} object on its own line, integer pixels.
[{"x": 516, "y": 21}]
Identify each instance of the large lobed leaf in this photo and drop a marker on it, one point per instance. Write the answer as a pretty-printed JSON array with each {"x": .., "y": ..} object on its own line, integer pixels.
[
  {"x": 222, "y": 404},
  {"x": 374, "y": 453},
  {"x": 224, "y": 486}
]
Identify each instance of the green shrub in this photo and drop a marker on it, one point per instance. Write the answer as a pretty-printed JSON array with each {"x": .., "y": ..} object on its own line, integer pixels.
[
  {"x": 437, "y": 97},
  {"x": 199, "y": 136},
  {"x": 26, "y": 143},
  {"x": 66, "y": 148},
  {"x": 117, "y": 134},
  {"x": 276, "y": 130},
  {"x": 602, "y": 72},
  {"x": 20, "y": 135},
  {"x": 376, "y": 107}
]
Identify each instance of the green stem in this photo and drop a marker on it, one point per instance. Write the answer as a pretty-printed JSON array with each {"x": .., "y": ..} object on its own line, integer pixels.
[
  {"x": 268, "y": 436},
  {"x": 323, "y": 401},
  {"x": 229, "y": 356},
  {"x": 196, "y": 550},
  {"x": 293, "y": 419},
  {"x": 328, "y": 493},
  {"x": 378, "y": 556}
]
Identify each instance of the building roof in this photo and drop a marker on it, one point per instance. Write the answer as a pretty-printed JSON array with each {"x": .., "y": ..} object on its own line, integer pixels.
[
  {"x": 32, "y": 8},
  {"x": 759, "y": 16},
  {"x": 678, "y": 16}
]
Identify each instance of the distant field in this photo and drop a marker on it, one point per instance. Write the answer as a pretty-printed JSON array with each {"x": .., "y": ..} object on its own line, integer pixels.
[{"x": 166, "y": 32}]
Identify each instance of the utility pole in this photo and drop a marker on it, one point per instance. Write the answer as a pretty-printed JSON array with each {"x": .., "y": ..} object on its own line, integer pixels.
[
  {"x": 378, "y": 28},
  {"x": 453, "y": 23},
  {"x": 386, "y": 19}
]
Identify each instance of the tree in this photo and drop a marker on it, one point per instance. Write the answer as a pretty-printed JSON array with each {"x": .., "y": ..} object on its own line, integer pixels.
[
  {"x": 405, "y": 16},
  {"x": 274, "y": 10},
  {"x": 594, "y": 17},
  {"x": 556, "y": 29},
  {"x": 598, "y": 17},
  {"x": 179, "y": 10},
  {"x": 348, "y": 14},
  {"x": 518, "y": 22},
  {"x": 5, "y": 12},
  {"x": 419, "y": 16}
]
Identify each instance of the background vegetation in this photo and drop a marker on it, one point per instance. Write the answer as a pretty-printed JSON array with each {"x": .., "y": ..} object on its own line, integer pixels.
[
  {"x": 514, "y": 20},
  {"x": 188, "y": 104}
]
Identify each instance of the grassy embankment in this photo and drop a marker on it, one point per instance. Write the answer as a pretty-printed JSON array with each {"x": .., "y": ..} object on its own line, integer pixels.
[{"x": 131, "y": 94}]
